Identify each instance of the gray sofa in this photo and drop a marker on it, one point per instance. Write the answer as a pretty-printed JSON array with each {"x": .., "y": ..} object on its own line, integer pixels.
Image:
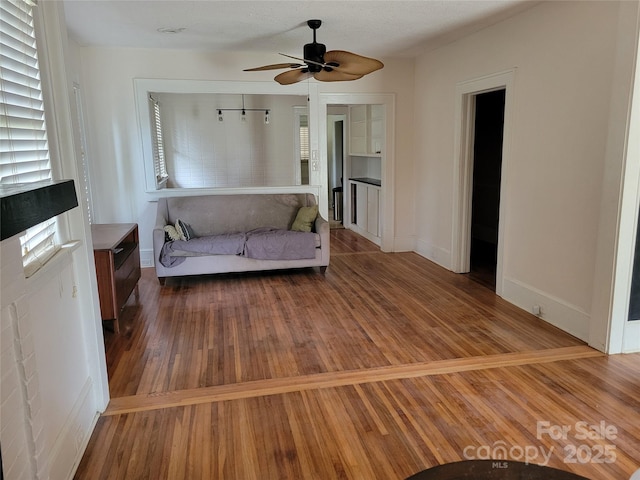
[{"x": 214, "y": 215}]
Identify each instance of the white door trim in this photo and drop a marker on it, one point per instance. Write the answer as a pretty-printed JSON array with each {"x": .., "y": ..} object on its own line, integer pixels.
[
  {"x": 463, "y": 167},
  {"x": 624, "y": 334}
]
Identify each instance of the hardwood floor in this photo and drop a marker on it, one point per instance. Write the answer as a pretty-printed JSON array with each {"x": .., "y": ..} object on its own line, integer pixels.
[{"x": 384, "y": 366}]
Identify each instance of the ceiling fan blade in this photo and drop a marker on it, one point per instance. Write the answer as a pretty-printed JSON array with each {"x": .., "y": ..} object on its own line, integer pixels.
[
  {"x": 275, "y": 66},
  {"x": 303, "y": 60},
  {"x": 292, "y": 76},
  {"x": 332, "y": 66},
  {"x": 345, "y": 62},
  {"x": 352, "y": 63},
  {"x": 335, "y": 76}
]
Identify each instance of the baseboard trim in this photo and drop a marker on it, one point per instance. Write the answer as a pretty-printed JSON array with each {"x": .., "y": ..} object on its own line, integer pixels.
[
  {"x": 146, "y": 258},
  {"x": 85, "y": 444},
  {"x": 404, "y": 244},
  {"x": 361, "y": 231},
  {"x": 555, "y": 311},
  {"x": 631, "y": 341},
  {"x": 437, "y": 255},
  {"x": 74, "y": 436}
]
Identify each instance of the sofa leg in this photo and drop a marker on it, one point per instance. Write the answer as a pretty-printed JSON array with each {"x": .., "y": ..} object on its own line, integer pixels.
[
  {"x": 323, "y": 269},
  {"x": 161, "y": 280}
]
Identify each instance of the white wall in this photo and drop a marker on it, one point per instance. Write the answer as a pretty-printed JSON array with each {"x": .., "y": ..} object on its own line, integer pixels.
[
  {"x": 563, "y": 54},
  {"x": 118, "y": 182}
]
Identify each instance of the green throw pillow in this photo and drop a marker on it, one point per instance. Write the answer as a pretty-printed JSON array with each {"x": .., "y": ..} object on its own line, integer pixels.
[{"x": 305, "y": 218}]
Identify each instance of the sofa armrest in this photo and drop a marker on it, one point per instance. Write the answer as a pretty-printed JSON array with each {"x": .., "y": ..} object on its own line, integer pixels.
[
  {"x": 162, "y": 219},
  {"x": 321, "y": 225},
  {"x": 322, "y": 228}
]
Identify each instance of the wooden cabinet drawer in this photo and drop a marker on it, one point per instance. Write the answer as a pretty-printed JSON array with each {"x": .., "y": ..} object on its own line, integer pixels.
[
  {"x": 117, "y": 257},
  {"x": 127, "y": 276}
]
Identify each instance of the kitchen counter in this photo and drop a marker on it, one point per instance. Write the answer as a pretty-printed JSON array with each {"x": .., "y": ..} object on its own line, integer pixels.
[{"x": 368, "y": 180}]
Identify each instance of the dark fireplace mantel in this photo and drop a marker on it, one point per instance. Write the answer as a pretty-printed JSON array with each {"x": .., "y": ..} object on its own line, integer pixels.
[{"x": 24, "y": 205}]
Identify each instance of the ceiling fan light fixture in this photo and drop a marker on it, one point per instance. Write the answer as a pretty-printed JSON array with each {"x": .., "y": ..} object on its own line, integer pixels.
[{"x": 332, "y": 66}]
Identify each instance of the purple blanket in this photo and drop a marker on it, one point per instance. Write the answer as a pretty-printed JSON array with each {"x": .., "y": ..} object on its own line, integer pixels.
[
  {"x": 225, "y": 244},
  {"x": 261, "y": 244},
  {"x": 274, "y": 244}
]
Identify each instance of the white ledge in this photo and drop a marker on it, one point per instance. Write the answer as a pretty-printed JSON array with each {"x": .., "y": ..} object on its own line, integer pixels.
[{"x": 53, "y": 266}]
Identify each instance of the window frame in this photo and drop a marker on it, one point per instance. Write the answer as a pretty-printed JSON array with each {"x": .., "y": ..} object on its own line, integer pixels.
[
  {"x": 143, "y": 87},
  {"x": 39, "y": 243}
]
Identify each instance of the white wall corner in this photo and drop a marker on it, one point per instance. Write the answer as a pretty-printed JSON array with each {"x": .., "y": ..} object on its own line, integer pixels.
[
  {"x": 620, "y": 193},
  {"x": 406, "y": 243},
  {"x": 553, "y": 310}
]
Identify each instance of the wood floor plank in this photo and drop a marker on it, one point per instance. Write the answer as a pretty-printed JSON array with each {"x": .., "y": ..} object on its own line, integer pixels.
[
  {"x": 384, "y": 366},
  {"x": 369, "y": 310},
  {"x": 423, "y": 421},
  {"x": 235, "y": 391}
]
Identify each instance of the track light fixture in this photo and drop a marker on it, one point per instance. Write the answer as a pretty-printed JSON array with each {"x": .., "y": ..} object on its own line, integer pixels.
[{"x": 243, "y": 110}]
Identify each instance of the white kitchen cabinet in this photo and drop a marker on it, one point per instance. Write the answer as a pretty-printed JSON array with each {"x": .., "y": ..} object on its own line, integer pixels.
[
  {"x": 373, "y": 210},
  {"x": 365, "y": 210},
  {"x": 366, "y": 130},
  {"x": 358, "y": 130},
  {"x": 361, "y": 205},
  {"x": 376, "y": 128}
]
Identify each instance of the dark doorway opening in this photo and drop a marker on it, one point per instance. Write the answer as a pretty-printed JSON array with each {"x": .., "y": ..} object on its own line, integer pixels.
[
  {"x": 487, "y": 172},
  {"x": 634, "y": 300}
]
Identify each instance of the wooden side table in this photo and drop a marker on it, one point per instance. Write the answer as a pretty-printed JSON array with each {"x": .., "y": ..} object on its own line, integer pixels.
[{"x": 117, "y": 255}]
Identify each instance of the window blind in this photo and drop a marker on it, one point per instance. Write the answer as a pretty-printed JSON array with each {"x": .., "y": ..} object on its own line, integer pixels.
[
  {"x": 159, "y": 162},
  {"x": 304, "y": 138},
  {"x": 24, "y": 149},
  {"x": 24, "y": 152}
]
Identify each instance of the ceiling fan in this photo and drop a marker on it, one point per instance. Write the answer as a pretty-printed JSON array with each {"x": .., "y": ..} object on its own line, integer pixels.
[{"x": 332, "y": 66}]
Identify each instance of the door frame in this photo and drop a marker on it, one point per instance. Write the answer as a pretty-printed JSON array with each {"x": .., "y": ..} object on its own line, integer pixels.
[
  {"x": 338, "y": 117},
  {"x": 463, "y": 168},
  {"x": 387, "y": 190}
]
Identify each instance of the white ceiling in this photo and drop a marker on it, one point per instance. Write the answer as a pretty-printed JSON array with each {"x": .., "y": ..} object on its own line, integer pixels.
[{"x": 379, "y": 28}]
